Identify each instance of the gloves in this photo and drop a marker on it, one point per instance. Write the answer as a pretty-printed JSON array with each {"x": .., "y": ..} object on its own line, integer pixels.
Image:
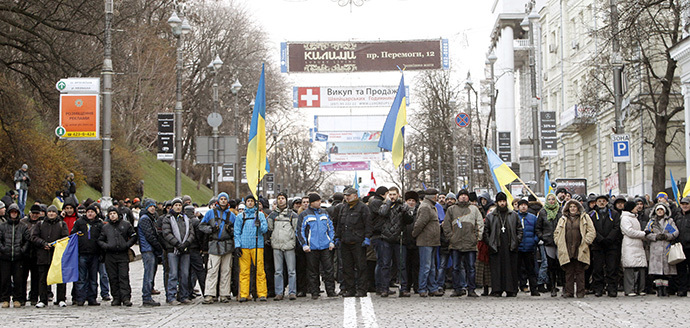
[
  {"x": 215, "y": 228},
  {"x": 661, "y": 236},
  {"x": 646, "y": 232},
  {"x": 337, "y": 242},
  {"x": 238, "y": 252},
  {"x": 366, "y": 242},
  {"x": 306, "y": 248}
]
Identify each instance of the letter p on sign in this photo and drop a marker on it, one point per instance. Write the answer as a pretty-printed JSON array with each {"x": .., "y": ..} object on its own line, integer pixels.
[{"x": 621, "y": 147}]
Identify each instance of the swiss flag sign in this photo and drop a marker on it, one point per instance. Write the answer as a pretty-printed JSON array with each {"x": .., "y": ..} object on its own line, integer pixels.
[{"x": 309, "y": 97}]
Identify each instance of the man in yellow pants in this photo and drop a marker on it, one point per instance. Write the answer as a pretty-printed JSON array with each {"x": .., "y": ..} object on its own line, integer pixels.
[{"x": 250, "y": 226}]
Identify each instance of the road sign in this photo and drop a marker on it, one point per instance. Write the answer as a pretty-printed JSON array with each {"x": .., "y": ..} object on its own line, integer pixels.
[
  {"x": 79, "y": 85},
  {"x": 462, "y": 120},
  {"x": 621, "y": 147},
  {"x": 227, "y": 149},
  {"x": 79, "y": 116},
  {"x": 214, "y": 120},
  {"x": 408, "y": 166},
  {"x": 60, "y": 131},
  {"x": 166, "y": 144}
]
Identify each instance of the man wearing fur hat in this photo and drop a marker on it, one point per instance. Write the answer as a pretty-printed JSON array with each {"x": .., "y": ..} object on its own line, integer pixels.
[
  {"x": 503, "y": 234},
  {"x": 605, "y": 248},
  {"x": 89, "y": 226},
  {"x": 117, "y": 236}
]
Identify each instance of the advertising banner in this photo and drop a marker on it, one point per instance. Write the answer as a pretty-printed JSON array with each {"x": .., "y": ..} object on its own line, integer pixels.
[
  {"x": 348, "y": 123},
  {"x": 549, "y": 145},
  {"x": 353, "y": 147},
  {"x": 355, "y": 157},
  {"x": 373, "y": 56},
  {"x": 575, "y": 186},
  {"x": 166, "y": 142},
  {"x": 344, "y": 166},
  {"x": 346, "y": 136},
  {"x": 79, "y": 116},
  {"x": 353, "y": 97}
]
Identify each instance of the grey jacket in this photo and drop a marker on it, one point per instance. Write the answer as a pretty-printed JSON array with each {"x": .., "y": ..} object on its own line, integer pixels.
[
  {"x": 220, "y": 241},
  {"x": 427, "y": 229},
  {"x": 282, "y": 225},
  {"x": 170, "y": 242},
  {"x": 23, "y": 184}
]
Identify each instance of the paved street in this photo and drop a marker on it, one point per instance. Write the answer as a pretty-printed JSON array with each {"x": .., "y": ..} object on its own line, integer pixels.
[{"x": 372, "y": 311}]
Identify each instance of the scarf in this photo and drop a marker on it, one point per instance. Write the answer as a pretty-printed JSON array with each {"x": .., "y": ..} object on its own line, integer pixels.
[
  {"x": 176, "y": 229},
  {"x": 353, "y": 202},
  {"x": 551, "y": 211}
]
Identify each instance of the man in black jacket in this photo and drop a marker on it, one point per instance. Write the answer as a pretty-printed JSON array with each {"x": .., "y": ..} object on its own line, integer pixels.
[
  {"x": 396, "y": 216},
  {"x": 377, "y": 221},
  {"x": 150, "y": 248},
  {"x": 43, "y": 235},
  {"x": 89, "y": 226},
  {"x": 353, "y": 234},
  {"x": 503, "y": 233},
  {"x": 178, "y": 235},
  {"x": 683, "y": 223},
  {"x": 605, "y": 248},
  {"x": 117, "y": 236},
  {"x": 14, "y": 244}
]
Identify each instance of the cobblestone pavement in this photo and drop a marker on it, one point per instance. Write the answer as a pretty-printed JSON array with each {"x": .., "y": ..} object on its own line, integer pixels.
[{"x": 372, "y": 311}]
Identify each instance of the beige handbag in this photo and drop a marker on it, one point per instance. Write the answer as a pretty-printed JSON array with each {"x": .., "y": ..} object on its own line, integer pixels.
[{"x": 676, "y": 254}]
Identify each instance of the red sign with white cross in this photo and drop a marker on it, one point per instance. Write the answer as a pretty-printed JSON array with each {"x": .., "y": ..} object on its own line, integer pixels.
[{"x": 309, "y": 97}]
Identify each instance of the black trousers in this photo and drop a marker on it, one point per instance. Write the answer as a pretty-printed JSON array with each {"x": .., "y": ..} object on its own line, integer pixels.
[
  {"x": 302, "y": 277},
  {"x": 527, "y": 270},
  {"x": 683, "y": 278},
  {"x": 43, "y": 286},
  {"x": 605, "y": 269},
  {"x": 354, "y": 264},
  {"x": 317, "y": 261},
  {"x": 197, "y": 271},
  {"x": 118, "y": 276},
  {"x": 412, "y": 261},
  {"x": 269, "y": 269},
  {"x": 30, "y": 267},
  {"x": 12, "y": 282},
  {"x": 554, "y": 270}
]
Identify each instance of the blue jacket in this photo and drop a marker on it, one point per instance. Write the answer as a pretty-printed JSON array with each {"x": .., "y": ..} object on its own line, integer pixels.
[
  {"x": 316, "y": 230},
  {"x": 245, "y": 231},
  {"x": 148, "y": 235},
  {"x": 529, "y": 237}
]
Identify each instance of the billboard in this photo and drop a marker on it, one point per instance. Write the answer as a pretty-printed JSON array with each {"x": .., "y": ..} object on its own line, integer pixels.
[
  {"x": 334, "y": 97},
  {"x": 345, "y": 136},
  {"x": 166, "y": 144},
  {"x": 353, "y": 147},
  {"x": 355, "y": 157},
  {"x": 348, "y": 123},
  {"x": 344, "y": 166},
  {"x": 79, "y": 116},
  {"x": 574, "y": 186},
  {"x": 371, "y": 56}
]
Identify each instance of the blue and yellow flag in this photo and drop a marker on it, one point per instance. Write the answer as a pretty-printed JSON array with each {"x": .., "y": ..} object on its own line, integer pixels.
[
  {"x": 64, "y": 267},
  {"x": 502, "y": 174},
  {"x": 393, "y": 133},
  {"x": 676, "y": 194},
  {"x": 547, "y": 184},
  {"x": 257, "y": 164}
]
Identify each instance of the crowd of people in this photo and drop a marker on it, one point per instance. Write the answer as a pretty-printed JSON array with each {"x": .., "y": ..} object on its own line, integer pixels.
[{"x": 418, "y": 242}]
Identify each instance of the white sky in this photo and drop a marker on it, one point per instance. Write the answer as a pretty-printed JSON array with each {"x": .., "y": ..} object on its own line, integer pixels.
[{"x": 467, "y": 25}]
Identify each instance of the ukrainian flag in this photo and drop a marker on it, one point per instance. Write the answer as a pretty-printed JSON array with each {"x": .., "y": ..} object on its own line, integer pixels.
[
  {"x": 502, "y": 174},
  {"x": 676, "y": 194},
  {"x": 257, "y": 164},
  {"x": 393, "y": 133},
  {"x": 547, "y": 184},
  {"x": 64, "y": 267}
]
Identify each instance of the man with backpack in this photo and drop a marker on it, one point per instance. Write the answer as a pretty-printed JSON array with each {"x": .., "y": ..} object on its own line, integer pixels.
[
  {"x": 218, "y": 225},
  {"x": 282, "y": 222}
]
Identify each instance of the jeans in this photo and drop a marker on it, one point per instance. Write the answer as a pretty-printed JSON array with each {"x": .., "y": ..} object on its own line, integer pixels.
[
  {"x": 441, "y": 270},
  {"x": 289, "y": 257},
  {"x": 427, "y": 263},
  {"x": 105, "y": 284},
  {"x": 87, "y": 286},
  {"x": 148, "y": 259},
  {"x": 179, "y": 274},
  {"x": 383, "y": 264},
  {"x": 542, "y": 267},
  {"x": 464, "y": 266},
  {"x": 21, "y": 201}
]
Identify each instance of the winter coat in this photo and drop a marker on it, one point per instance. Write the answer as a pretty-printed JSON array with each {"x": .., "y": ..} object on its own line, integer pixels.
[
  {"x": 544, "y": 230},
  {"x": 658, "y": 249},
  {"x": 245, "y": 229},
  {"x": 607, "y": 223},
  {"x": 587, "y": 231},
  {"x": 377, "y": 219},
  {"x": 682, "y": 221},
  {"x": 529, "y": 237},
  {"x": 395, "y": 216},
  {"x": 463, "y": 227},
  {"x": 91, "y": 231},
  {"x": 148, "y": 236},
  {"x": 408, "y": 240},
  {"x": 283, "y": 224},
  {"x": 334, "y": 212},
  {"x": 31, "y": 254},
  {"x": 632, "y": 249},
  {"x": 45, "y": 233},
  {"x": 493, "y": 230},
  {"x": 426, "y": 229},
  {"x": 316, "y": 230},
  {"x": 116, "y": 239},
  {"x": 21, "y": 183},
  {"x": 354, "y": 223},
  {"x": 14, "y": 240},
  {"x": 219, "y": 226},
  {"x": 170, "y": 242}
]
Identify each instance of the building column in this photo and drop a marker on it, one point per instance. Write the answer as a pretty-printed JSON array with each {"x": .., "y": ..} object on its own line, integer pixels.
[{"x": 505, "y": 84}]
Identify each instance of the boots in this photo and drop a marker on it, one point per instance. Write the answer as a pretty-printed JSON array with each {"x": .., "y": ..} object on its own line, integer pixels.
[{"x": 486, "y": 291}]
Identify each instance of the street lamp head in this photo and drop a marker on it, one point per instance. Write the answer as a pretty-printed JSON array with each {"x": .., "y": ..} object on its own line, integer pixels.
[
  {"x": 251, "y": 104},
  {"x": 525, "y": 24},
  {"x": 236, "y": 86},
  {"x": 185, "y": 27},
  {"x": 533, "y": 16},
  {"x": 468, "y": 82},
  {"x": 492, "y": 58},
  {"x": 174, "y": 21},
  {"x": 217, "y": 63}
]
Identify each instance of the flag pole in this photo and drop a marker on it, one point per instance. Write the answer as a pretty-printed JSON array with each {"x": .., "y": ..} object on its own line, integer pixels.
[{"x": 530, "y": 190}]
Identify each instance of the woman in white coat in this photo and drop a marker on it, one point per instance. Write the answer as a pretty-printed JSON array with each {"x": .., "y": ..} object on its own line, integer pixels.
[
  {"x": 633, "y": 257},
  {"x": 660, "y": 231}
]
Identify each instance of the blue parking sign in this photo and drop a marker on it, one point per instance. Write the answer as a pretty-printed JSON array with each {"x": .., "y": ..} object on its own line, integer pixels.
[{"x": 621, "y": 147}]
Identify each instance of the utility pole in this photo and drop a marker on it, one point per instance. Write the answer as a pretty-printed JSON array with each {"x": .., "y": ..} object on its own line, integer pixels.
[
  {"x": 617, "y": 61},
  {"x": 107, "y": 73}
]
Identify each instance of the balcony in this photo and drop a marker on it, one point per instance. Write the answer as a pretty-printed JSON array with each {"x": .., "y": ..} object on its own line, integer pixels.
[{"x": 576, "y": 118}]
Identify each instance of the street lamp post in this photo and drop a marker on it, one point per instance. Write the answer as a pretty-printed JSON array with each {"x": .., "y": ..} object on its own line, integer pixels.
[
  {"x": 235, "y": 89},
  {"x": 215, "y": 66},
  {"x": 468, "y": 86},
  {"x": 494, "y": 142},
  {"x": 179, "y": 29},
  {"x": 107, "y": 73}
]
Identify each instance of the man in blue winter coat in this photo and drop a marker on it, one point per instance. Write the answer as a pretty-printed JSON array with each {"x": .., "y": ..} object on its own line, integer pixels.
[
  {"x": 526, "y": 249},
  {"x": 151, "y": 248},
  {"x": 316, "y": 237}
]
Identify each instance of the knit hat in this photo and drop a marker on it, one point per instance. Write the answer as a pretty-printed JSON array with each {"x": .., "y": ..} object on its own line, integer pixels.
[
  {"x": 174, "y": 201},
  {"x": 2, "y": 205},
  {"x": 149, "y": 203},
  {"x": 463, "y": 192},
  {"x": 25, "y": 167},
  {"x": 381, "y": 190},
  {"x": 629, "y": 206},
  {"x": 284, "y": 195},
  {"x": 187, "y": 198},
  {"x": 523, "y": 201},
  {"x": 338, "y": 196},
  {"x": 451, "y": 195},
  {"x": 189, "y": 210},
  {"x": 315, "y": 197},
  {"x": 223, "y": 194},
  {"x": 92, "y": 207},
  {"x": 661, "y": 194},
  {"x": 501, "y": 196},
  {"x": 35, "y": 208},
  {"x": 52, "y": 208},
  {"x": 250, "y": 197}
]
